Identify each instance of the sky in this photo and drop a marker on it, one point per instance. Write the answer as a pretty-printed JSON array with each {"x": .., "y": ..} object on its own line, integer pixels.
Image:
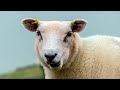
[{"x": 17, "y": 43}]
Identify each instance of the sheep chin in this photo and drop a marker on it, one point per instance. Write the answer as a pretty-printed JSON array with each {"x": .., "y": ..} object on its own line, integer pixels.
[{"x": 56, "y": 68}]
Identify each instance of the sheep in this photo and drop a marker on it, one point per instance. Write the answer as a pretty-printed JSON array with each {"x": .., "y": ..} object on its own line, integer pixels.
[{"x": 63, "y": 54}]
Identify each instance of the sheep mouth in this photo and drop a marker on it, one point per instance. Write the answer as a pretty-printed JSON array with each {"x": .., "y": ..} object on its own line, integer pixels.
[{"x": 55, "y": 64}]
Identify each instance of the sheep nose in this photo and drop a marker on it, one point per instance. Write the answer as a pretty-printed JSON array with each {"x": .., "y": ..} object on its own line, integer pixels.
[{"x": 50, "y": 57}]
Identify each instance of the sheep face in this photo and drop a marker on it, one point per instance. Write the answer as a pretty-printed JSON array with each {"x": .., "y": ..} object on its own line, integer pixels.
[{"x": 54, "y": 40}]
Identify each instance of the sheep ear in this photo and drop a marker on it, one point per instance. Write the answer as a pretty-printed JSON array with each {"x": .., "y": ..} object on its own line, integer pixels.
[
  {"x": 30, "y": 24},
  {"x": 78, "y": 25}
]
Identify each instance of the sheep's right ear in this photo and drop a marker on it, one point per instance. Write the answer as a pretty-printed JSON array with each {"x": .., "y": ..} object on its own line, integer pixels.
[{"x": 30, "y": 24}]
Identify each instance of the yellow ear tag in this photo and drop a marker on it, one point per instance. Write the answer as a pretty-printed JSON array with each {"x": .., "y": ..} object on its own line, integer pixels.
[
  {"x": 72, "y": 23},
  {"x": 36, "y": 21}
]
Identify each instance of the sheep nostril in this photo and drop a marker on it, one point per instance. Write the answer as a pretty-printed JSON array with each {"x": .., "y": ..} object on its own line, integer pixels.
[{"x": 50, "y": 57}]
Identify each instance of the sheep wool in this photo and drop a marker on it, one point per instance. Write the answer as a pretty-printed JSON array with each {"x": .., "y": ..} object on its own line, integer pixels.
[
  {"x": 98, "y": 58},
  {"x": 65, "y": 55}
]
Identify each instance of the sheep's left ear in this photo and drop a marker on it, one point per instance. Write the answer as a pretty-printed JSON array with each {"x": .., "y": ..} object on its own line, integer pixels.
[
  {"x": 30, "y": 24},
  {"x": 78, "y": 25}
]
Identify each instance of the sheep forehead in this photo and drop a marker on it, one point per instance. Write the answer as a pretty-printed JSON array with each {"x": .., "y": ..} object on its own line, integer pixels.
[{"x": 54, "y": 26}]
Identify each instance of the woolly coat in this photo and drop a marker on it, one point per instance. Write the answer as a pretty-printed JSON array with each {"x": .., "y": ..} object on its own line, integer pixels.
[{"x": 96, "y": 57}]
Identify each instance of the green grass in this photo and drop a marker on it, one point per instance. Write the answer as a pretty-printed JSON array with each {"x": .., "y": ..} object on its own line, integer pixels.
[{"x": 29, "y": 72}]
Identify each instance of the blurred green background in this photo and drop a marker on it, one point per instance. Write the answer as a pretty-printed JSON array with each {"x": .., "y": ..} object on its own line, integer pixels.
[{"x": 29, "y": 72}]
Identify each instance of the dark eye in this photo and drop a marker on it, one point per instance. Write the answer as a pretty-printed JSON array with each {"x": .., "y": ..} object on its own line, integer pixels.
[
  {"x": 38, "y": 33},
  {"x": 69, "y": 34}
]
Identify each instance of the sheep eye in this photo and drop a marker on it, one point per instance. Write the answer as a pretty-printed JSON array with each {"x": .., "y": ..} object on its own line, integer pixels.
[
  {"x": 69, "y": 34},
  {"x": 38, "y": 33}
]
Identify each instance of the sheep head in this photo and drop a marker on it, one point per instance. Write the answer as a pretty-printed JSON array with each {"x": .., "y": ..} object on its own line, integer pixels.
[{"x": 54, "y": 40}]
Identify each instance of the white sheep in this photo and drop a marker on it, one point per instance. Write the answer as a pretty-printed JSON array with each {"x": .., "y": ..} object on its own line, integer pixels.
[{"x": 65, "y": 55}]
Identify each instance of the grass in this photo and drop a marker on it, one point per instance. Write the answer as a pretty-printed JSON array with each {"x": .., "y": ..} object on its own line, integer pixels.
[{"x": 29, "y": 72}]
